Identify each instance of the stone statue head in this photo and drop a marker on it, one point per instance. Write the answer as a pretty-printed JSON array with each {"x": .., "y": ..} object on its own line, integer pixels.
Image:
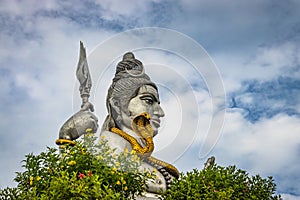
[{"x": 130, "y": 94}]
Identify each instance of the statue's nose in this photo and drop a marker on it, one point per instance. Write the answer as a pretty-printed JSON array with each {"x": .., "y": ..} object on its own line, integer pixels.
[{"x": 159, "y": 111}]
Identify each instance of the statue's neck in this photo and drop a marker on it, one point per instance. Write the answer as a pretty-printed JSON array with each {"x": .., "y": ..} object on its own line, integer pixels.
[{"x": 133, "y": 134}]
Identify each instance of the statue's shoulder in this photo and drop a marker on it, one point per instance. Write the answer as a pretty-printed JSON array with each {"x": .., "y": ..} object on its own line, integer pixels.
[{"x": 115, "y": 141}]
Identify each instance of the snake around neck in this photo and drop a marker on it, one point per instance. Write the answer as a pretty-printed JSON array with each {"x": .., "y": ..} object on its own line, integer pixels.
[{"x": 141, "y": 126}]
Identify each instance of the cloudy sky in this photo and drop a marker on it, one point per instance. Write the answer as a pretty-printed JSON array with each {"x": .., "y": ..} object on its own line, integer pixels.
[{"x": 228, "y": 74}]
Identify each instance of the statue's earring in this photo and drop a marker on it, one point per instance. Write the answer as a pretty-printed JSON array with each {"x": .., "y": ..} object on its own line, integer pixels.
[
  {"x": 119, "y": 119},
  {"x": 116, "y": 110}
]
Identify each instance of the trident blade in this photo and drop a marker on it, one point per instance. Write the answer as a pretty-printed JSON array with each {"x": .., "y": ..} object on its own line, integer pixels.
[{"x": 83, "y": 74}]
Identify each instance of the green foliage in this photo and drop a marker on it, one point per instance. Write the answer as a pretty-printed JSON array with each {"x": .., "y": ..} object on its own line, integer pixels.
[
  {"x": 85, "y": 171},
  {"x": 91, "y": 170},
  {"x": 224, "y": 183}
]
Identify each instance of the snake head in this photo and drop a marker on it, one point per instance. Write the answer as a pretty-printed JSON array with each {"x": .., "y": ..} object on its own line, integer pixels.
[
  {"x": 146, "y": 115},
  {"x": 142, "y": 119},
  {"x": 141, "y": 125}
]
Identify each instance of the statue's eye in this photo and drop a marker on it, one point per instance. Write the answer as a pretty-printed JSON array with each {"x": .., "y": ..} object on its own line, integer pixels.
[{"x": 148, "y": 100}]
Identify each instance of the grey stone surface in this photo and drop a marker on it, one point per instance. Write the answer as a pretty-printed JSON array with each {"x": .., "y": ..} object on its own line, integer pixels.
[
  {"x": 131, "y": 93},
  {"x": 78, "y": 124},
  {"x": 84, "y": 120}
]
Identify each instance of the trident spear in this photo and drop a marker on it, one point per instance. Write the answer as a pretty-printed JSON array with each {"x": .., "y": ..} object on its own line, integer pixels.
[
  {"x": 84, "y": 78},
  {"x": 84, "y": 121}
]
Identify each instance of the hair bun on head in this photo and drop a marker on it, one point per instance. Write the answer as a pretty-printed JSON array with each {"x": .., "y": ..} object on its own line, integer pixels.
[
  {"x": 128, "y": 56},
  {"x": 130, "y": 64}
]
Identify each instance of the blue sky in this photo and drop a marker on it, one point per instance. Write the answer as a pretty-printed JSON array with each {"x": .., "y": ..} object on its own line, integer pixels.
[{"x": 253, "y": 44}]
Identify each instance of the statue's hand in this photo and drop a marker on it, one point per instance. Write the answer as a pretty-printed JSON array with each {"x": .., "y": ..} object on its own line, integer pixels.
[
  {"x": 87, "y": 106},
  {"x": 79, "y": 124}
]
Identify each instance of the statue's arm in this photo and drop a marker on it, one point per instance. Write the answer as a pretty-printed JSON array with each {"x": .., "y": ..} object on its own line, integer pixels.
[{"x": 158, "y": 185}]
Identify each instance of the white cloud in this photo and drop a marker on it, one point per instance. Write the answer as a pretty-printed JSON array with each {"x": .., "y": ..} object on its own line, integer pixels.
[
  {"x": 274, "y": 60},
  {"x": 277, "y": 57},
  {"x": 21, "y": 8},
  {"x": 290, "y": 197},
  {"x": 269, "y": 62},
  {"x": 118, "y": 9},
  {"x": 268, "y": 147}
]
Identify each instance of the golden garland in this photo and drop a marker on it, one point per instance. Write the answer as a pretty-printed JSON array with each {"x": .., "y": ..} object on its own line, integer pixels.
[
  {"x": 141, "y": 126},
  {"x": 136, "y": 147},
  {"x": 65, "y": 141}
]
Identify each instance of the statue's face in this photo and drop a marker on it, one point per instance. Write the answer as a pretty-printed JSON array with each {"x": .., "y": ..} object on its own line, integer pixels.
[{"x": 147, "y": 100}]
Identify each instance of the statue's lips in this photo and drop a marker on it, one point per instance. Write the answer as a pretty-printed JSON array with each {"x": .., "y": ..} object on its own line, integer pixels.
[{"x": 155, "y": 122}]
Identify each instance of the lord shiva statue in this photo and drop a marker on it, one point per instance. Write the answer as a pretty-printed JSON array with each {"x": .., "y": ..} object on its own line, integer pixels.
[{"x": 132, "y": 121}]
